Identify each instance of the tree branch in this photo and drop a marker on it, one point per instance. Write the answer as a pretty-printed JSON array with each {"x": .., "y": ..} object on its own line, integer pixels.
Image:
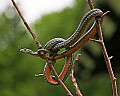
[
  {"x": 27, "y": 25},
  {"x": 107, "y": 59},
  {"x": 78, "y": 92}
]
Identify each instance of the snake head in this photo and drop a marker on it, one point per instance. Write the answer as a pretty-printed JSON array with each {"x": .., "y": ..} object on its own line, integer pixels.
[{"x": 26, "y": 51}]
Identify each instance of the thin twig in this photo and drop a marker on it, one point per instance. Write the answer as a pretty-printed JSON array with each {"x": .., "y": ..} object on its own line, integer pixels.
[
  {"x": 78, "y": 92},
  {"x": 107, "y": 59},
  {"x": 90, "y": 2},
  {"x": 27, "y": 26},
  {"x": 95, "y": 40},
  {"x": 108, "y": 63},
  {"x": 38, "y": 75}
]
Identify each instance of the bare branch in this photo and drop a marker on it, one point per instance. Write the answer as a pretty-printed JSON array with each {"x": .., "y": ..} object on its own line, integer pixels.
[
  {"x": 107, "y": 59},
  {"x": 78, "y": 92},
  {"x": 38, "y": 75},
  {"x": 110, "y": 57},
  {"x": 27, "y": 25},
  {"x": 108, "y": 63}
]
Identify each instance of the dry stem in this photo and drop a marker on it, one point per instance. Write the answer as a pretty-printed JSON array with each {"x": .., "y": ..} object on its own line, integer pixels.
[
  {"x": 27, "y": 25},
  {"x": 107, "y": 59},
  {"x": 78, "y": 92}
]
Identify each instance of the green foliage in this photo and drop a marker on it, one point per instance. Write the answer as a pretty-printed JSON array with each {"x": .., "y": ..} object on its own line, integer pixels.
[{"x": 17, "y": 70}]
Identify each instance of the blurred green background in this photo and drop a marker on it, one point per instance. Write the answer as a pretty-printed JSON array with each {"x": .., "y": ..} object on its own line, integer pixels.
[{"x": 17, "y": 70}]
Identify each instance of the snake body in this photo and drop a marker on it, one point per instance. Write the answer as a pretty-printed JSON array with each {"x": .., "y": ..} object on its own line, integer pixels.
[
  {"x": 72, "y": 44},
  {"x": 67, "y": 66},
  {"x": 80, "y": 30}
]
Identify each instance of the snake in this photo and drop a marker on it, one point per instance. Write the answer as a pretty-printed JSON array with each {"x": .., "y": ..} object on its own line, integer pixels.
[
  {"x": 80, "y": 30},
  {"x": 72, "y": 44},
  {"x": 54, "y": 45},
  {"x": 81, "y": 40}
]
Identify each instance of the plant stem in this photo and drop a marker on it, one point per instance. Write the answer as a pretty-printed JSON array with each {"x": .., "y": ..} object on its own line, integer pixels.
[
  {"x": 108, "y": 63},
  {"x": 27, "y": 25},
  {"x": 107, "y": 59},
  {"x": 78, "y": 92}
]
